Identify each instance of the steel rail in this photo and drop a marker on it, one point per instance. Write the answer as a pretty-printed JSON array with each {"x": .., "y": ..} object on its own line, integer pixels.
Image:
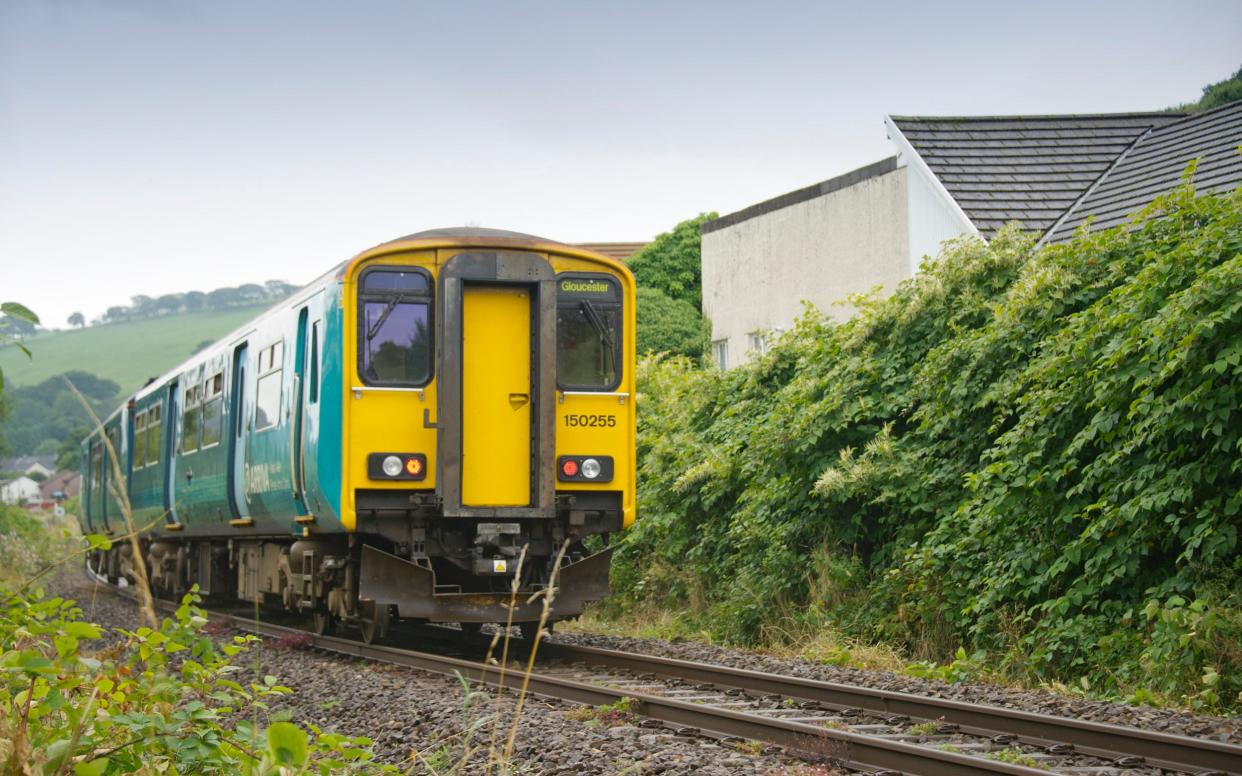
[
  {"x": 1113, "y": 742},
  {"x": 854, "y": 750},
  {"x": 1124, "y": 745}
]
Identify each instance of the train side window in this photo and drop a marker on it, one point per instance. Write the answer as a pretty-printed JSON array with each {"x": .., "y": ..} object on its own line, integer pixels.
[
  {"x": 96, "y": 469},
  {"x": 139, "y": 458},
  {"x": 588, "y": 332},
  {"x": 190, "y": 417},
  {"x": 154, "y": 440},
  {"x": 394, "y": 327},
  {"x": 314, "y": 363},
  {"x": 114, "y": 438},
  {"x": 213, "y": 409},
  {"x": 267, "y": 388}
]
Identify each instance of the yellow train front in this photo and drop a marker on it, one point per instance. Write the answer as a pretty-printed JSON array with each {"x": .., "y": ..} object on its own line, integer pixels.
[{"x": 401, "y": 439}]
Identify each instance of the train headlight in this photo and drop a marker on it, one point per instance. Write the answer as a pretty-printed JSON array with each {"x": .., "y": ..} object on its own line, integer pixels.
[
  {"x": 584, "y": 468},
  {"x": 392, "y": 466},
  {"x": 397, "y": 466}
]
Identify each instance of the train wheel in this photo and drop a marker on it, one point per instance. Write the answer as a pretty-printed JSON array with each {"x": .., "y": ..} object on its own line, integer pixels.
[
  {"x": 322, "y": 623},
  {"x": 375, "y": 627}
]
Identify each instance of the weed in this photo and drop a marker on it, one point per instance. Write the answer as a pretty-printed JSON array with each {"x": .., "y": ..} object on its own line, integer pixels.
[
  {"x": 924, "y": 728},
  {"x": 1015, "y": 756}
]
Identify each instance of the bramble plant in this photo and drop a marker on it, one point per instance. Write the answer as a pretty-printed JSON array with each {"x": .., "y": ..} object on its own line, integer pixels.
[
  {"x": 1029, "y": 452},
  {"x": 166, "y": 700}
]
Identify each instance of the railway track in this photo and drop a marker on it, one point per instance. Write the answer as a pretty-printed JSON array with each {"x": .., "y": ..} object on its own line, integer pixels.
[{"x": 869, "y": 730}]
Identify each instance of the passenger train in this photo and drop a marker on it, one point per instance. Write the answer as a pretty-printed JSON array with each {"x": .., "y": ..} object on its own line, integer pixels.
[{"x": 388, "y": 441}]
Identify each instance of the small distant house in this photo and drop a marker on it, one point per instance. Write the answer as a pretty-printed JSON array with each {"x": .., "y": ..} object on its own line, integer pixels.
[
  {"x": 949, "y": 176},
  {"x": 60, "y": 486},
  {"x": 19, "y": 491},
  {"x": 29, "y": 465}
]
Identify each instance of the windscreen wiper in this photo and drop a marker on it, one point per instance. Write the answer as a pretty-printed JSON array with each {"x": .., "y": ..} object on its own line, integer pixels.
[
  {"x": 375, "y": 327},
  {"x": 597, "y": 323}
]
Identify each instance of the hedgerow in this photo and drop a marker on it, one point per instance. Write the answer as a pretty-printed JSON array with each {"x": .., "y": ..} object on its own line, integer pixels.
[{"x": 1032, "y": 452}]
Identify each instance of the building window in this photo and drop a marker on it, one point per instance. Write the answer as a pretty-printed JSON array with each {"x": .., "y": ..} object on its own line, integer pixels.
[
  {"x": 720, "y": 353},
  {"x": 588, "y": 332},
  {"x": 758, "y": 342},
  {"x": 267, "y": 390},
  {"x": 394, "y": 327}
]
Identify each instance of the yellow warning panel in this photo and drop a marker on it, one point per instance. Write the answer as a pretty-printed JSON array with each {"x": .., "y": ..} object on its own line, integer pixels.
[{"x": 495, "y": 417}]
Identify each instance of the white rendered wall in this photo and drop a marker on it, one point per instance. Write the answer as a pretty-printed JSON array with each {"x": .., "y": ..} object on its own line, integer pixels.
[
  {"x": 933, "y": 217},
  {"x": 757, "y": 273}
]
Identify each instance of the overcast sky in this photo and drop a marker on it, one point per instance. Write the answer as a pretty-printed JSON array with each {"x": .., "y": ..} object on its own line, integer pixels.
[{"x": 151, "y": 146}]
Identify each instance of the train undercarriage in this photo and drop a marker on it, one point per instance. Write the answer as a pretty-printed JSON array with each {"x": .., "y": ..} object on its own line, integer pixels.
[{"x": 395, "y": 567}]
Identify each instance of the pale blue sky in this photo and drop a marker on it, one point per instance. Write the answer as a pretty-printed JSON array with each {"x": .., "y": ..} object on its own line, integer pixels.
[{"x": 149, "y": 146}]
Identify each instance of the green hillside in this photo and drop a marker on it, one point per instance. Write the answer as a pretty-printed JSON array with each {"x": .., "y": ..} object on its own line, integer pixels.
[{"x": 128, "y": 352}]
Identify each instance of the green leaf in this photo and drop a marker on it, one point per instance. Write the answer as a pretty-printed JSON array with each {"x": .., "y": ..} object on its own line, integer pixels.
[
  {"x": 286, "y": 744},
  {"x": 18, "y": 311},
  {"x": 82, "y": 630},
  {"x": 92, "y": 768}
]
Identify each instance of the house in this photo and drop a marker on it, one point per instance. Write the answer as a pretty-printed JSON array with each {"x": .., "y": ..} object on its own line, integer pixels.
[
  {"x": 29, "y": 465},
  {"x": 949, "y": 176},
  {"x": 60, "y": 486},
  {"x": 19, "y": 491}
]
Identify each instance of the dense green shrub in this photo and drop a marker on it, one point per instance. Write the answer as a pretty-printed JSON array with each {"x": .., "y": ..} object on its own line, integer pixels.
[
  {"x": 166, "y": 701},
  {"x": 667, "y": 325},
  {"x": 1030, "y": 452},
  {"x": 672, "y": 262}
]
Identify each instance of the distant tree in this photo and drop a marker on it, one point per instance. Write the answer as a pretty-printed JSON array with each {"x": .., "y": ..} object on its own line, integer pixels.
[
  {"x": 667, "y": 325},
  {"x": 250, "y": 293},
  {"x": 117, "y": 313},
  {"x": 279, "y": 289},
  {"x": 672, "y": 262},
  {"x": 169, "y": 304},
  {"x": 142, "y": 305},
  {"x": 194, "y": 300},
  {"x": 1216, "y": 95},
  {"x": 77, "y": 319},
  {"x": 50, "y": 411},
  {"x": 222, "y": 298}
]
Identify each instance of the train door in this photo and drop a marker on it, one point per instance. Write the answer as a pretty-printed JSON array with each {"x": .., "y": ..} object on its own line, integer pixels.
[
  {"x": 296, "y": 466},
  {"x": 496, "y": 396},
  {"x": 236, "y": 435},
  {"x": 172, "y": 422}
]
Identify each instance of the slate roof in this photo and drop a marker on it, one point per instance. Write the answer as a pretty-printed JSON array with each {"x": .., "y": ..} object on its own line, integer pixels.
[
  {"x": 1029, "y": 168},
  {"x": 23, "y": 463},
  {"x": 614, "y": 250},
  {"x": 1155, "y": 164}
]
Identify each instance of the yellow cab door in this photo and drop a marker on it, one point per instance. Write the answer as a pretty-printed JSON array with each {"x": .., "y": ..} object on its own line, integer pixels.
[{"x": 496, "y": 389}]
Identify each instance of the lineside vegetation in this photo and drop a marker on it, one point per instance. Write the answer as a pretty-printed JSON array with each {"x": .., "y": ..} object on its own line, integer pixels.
[{"x": 1029, "y": 456}]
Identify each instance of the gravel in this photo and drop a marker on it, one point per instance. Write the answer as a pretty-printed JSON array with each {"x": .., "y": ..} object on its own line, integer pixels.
[
  {"x": 406, "y": 711},
  {"x": 1228, "y": 729}
]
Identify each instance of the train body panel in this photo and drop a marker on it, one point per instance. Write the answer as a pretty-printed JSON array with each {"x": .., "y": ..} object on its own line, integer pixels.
[{"x": 429, "y": 407}]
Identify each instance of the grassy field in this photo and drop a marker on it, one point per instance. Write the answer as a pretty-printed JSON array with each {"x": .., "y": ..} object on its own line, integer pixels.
[{"x": 128, "y": 353}]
